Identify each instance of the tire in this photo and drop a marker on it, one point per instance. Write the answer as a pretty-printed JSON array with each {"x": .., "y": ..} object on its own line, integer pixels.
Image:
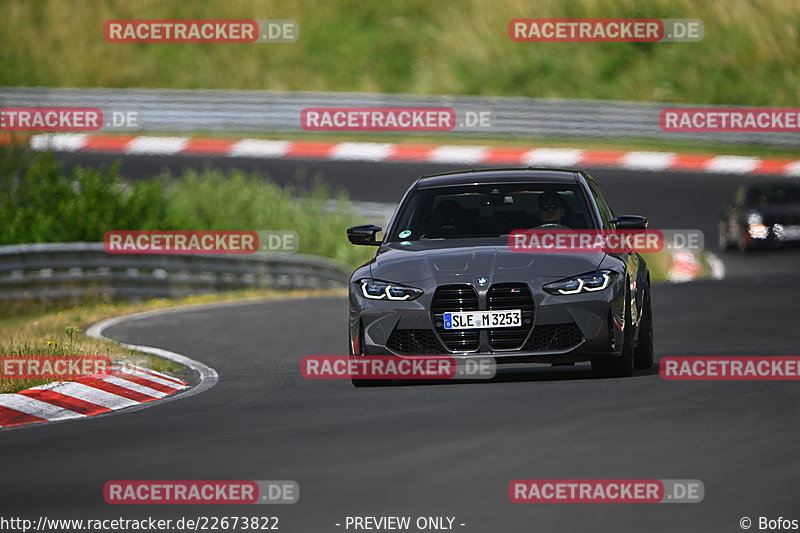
[
  {"x": 643, "y": 354},
  {"x": 621, "y": 366},
  {"x": 367, "y": 382},
  {"x": 741, "y": 246},
  {"x": 724, "y": 244}
]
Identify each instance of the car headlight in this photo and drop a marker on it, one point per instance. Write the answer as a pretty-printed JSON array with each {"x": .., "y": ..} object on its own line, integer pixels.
[
  {"x": 382, "y": 290},
  {"x": 754, "y": 217},
  {"x": 595, "y": 281},
  {"x": 755, "y": 225}
]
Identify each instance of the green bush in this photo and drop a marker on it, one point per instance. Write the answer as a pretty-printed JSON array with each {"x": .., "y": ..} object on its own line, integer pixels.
[{"x": 42, "y": 201}]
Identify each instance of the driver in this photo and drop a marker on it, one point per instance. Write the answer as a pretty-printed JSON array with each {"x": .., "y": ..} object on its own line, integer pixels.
[
  {"x": 447, "y": 218},
  {"x": 551, "y": 209}
]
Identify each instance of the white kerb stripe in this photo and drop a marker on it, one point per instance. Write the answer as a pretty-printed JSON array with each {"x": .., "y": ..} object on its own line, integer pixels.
[
  {"x": 156, "y": 145},
  {"x": 150, "y": 377},
  {"x": 149, "y": 371},
  {"x": 361, "y": 151},
  {"x": 130, "y": 385},
  {"x": 457, "y": 154},
  {"x": 62, "y": 142},
  {"x": 683, "y": 257},
  {"x": 556, "y": 157},
  {"x": 647, "y": 160},
  {"x": 93, "y": 395},
  {"x": 793, "y": 169},
  {"x": 257, "y": 148},
  {"x": 35, "y": 407},
  {"x": 733, "y": 164}
]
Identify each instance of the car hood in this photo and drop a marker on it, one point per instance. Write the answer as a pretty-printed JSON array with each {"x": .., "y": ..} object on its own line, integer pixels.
[
  {"x": 781, "y": 214},
  {"x": 455, "y": 261}
]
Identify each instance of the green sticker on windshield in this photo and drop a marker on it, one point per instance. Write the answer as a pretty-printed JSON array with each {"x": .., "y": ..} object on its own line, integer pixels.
[{"x": 405, "y": 233}]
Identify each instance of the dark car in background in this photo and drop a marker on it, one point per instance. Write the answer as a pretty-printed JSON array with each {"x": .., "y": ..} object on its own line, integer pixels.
[
  {"x": 444, "y": 264},
  {"x": 761, "y": 215}
]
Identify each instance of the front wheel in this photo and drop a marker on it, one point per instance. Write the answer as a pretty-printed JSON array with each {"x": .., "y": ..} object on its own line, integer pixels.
[
  {"x": 643, "y": 355},
  {"x": 622, "y": 366},
  {"x": 724, "y": 243},
  {"x": 367, "y": 382}
]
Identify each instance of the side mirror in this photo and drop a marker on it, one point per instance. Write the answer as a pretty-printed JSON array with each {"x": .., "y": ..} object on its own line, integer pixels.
[
  {"x": 364, "y": 234},
  {"x": 629, "y": 222}
]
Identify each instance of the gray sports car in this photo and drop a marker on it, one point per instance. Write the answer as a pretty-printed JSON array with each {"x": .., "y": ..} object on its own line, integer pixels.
[{"x": 444, "y": 279}]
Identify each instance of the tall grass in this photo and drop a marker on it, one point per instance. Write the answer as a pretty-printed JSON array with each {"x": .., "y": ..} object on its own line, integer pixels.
[
  {"x": 216, "y": 200},
  {"x": 750, "y": 54}
]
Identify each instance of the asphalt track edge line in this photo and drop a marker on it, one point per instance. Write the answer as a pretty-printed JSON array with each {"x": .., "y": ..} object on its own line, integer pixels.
[{"x": 208, "y": 376}]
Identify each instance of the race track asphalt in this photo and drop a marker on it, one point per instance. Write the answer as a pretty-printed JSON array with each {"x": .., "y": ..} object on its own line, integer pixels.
[{"x": 451, "y": 449}]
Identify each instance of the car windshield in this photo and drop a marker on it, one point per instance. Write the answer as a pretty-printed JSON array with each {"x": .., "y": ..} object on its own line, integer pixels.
[
  {"x": 489, "y": 211},
  {"x": 775, "y": 195}
]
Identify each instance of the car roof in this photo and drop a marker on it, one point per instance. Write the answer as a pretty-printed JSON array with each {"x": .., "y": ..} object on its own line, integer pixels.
[{"x": 499, "y": 175}]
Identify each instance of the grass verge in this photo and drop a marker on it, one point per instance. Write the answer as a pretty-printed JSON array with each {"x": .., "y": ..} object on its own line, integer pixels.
[{"x": 748, "y": 55}]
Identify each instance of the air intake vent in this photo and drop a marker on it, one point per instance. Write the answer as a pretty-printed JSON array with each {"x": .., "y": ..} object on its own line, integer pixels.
[
  {"x": 511, "y": 296},
  {"x": 449, "y": 298},
  {"x": 554, "y": 338},
  {"x": 414, "y": 342}
]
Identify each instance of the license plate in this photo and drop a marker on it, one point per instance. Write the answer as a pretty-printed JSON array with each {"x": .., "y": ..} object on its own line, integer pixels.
[{"x": 511, "y": 318}]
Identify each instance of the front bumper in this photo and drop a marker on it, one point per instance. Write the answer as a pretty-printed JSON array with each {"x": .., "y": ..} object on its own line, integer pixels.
[{"x": 559, "y": 329}]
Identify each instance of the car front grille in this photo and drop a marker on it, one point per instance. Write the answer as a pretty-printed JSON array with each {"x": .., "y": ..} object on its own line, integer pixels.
[
  {"x": 554, "y": 337},
  {"x": 548, "y": 338},
  {"x": 449, "y": 298},
  {"x": 501, "y": 296},
  {"x": 414, "y": 342},
  {"x": 510, "y": 296}
]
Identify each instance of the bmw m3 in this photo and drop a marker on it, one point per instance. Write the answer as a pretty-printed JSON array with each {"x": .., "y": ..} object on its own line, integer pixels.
[{"x": 445, "y": 281}]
